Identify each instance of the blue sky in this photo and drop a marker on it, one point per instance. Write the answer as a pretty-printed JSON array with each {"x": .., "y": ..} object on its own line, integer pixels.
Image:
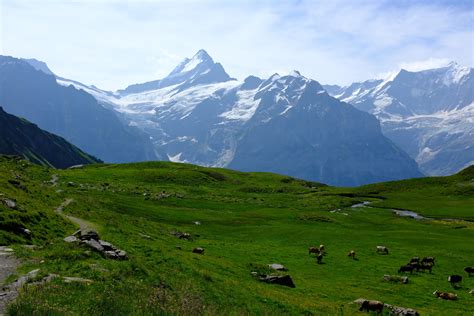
[{"x": 116, "y": 43}]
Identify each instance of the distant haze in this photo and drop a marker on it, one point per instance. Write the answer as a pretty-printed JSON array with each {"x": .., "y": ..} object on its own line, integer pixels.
[{"x": 116, "y": 43}]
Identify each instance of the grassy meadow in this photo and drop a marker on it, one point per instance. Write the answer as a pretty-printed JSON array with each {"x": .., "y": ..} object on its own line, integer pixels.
[{"x": 244, "y": 222}]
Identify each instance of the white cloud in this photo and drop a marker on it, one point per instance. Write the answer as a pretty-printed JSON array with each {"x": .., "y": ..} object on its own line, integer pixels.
[{"x": 116, "y": 43}]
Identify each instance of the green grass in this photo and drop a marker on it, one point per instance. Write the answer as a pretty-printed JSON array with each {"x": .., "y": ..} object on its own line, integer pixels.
[{"x": 247, "y": 220}]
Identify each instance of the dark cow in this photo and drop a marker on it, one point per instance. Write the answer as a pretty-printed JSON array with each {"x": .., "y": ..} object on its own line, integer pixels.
[
  {"x": 407, "y": 268},
  {"x": 424, "y": 267},
  {"x": 430, "y": 260},
  {"x": 313, "y": 250},
  {"x": 414, "y": 260},
  {"x": 198, "y": 250},
  {"x": 469, "y": 270},
  {"x": 454, "y": 279},
  {"x": 445, "y": 295},
  {"x": 368, "y": 306},
  {"x": 319, "y": 258},
  {"x": 352, "y": 254}
]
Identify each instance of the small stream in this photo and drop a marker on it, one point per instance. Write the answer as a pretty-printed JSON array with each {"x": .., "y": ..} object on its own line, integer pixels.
[{"x": 404, "y": 213}]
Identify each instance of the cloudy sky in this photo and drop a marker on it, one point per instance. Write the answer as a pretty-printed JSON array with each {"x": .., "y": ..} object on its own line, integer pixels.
[{"x": 116, "y": 43}]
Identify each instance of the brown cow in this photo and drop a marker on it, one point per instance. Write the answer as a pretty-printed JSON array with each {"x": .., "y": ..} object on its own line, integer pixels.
[
  {"x": 313, "y": 250},
  {"x": 352, "y": 254},
  {"x": 376, "y": 306},
  {"x": 445, "y": 295}
]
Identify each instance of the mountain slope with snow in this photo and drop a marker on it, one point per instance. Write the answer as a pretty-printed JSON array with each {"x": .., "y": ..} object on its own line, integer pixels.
[
  {"x": 286, "y": 124},
  {"x": 32, "y": 93},
  {"x": 429, "y": 114}
]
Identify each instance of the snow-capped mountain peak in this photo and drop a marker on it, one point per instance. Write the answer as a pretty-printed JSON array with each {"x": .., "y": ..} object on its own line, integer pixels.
[
  {"x": 200, "y": 59},
  {"x": 198, "y": 70}
]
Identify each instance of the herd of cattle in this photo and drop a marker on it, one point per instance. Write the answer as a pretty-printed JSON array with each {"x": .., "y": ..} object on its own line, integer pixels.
[{"x": 414, "y": 264}]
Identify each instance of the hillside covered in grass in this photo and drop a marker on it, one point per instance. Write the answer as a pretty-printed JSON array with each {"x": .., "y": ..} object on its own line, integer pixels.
[
  {"x": 243, "y": 221},
  {"x": 20, "y": 137}
]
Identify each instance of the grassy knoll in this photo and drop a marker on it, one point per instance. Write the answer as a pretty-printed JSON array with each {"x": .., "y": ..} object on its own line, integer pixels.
[{"x": 246, "y": 220}]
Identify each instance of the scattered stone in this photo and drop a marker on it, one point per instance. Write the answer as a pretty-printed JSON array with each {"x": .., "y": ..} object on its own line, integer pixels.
[
  {"x": 31, "y": 247},
  {"x": 144, "y": 236},
  {"x": 198, "y": 250},
  {"x": 26, "y": 231},
  {"x": 395, "y": 278},
  {"x": 71, "y": 239},
  {"x": 76, "y": 279},
  {"x": 277, "y": 266},
  {"x": 254, "y": 273},
  {"x": 401, "y": 311},
  {"x": 471, "y": 292},
  {"x": 285, "y": 280},
  {"x": 91, "y": 239},
  {"x": 88, "y": 234},
  {"x": 6, "y": 249},
  {"x": 71, "y": 184},
  {"x": 94, "y": 244},
  {"x": 76, "y": 167},
  {"x": 197, "y": 223},
  {"x": 9, "y": 203},
  {"x": 106, "y": 245}
]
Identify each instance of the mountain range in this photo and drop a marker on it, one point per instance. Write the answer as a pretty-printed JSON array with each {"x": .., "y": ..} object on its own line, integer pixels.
[
  {"x": 29, "y": 89},
  {"x": 22, "y": 138},
  {"x": 429, "y": 114},
  {"x": 287, "y": 124}
]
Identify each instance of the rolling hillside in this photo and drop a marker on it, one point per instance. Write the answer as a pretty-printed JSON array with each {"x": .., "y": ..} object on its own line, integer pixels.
[{"x": 243, "y": 221}]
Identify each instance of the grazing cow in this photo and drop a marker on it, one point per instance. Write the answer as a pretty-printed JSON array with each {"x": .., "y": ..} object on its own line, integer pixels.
[
  {"x": 445, "y": 295},
  {"x": 352, "y": 254},
  {"x": 321, "y": 248},
  {"x": 319, "y": 258},
  {"x": 313, "y": 250},
  {"x": 469, "y": 270},
  {"x": 423, "y": 267},
  {"x": 368, "y": 306},
  {"x": 198, "y": 250},
  {"x": 407, "y": 268},
  {"x": 382, "y": 249},
  {"x": 428, "y": 260},
  {"x": 414, "y": 260},
  {"x": 454, "y": 279}
]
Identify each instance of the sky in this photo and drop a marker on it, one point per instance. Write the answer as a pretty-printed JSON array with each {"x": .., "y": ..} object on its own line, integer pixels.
[{"x": 113, "y": 44}]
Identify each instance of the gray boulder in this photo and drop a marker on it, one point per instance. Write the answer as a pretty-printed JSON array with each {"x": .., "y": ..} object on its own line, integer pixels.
[{"x": 285, "y": 280}]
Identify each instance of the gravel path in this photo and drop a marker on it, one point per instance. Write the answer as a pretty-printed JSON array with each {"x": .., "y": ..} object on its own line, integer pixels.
[{"x": 8, "y": 265}]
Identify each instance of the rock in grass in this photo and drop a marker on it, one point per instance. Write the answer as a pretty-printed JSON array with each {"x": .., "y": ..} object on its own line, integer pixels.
[
  {"x": 106, "y": 245},
  {"x": 9, "y": 203},
  {"x": 395, "y": 278},
  {"x": 277, "y": 266},
  {"x": 285, "y": 280},
  {"x": 71, "y": 239},
  {"x": 76, "y": 279},
  {"x": 94, "y": 244},
  {"x": 88, "y": 234}
]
